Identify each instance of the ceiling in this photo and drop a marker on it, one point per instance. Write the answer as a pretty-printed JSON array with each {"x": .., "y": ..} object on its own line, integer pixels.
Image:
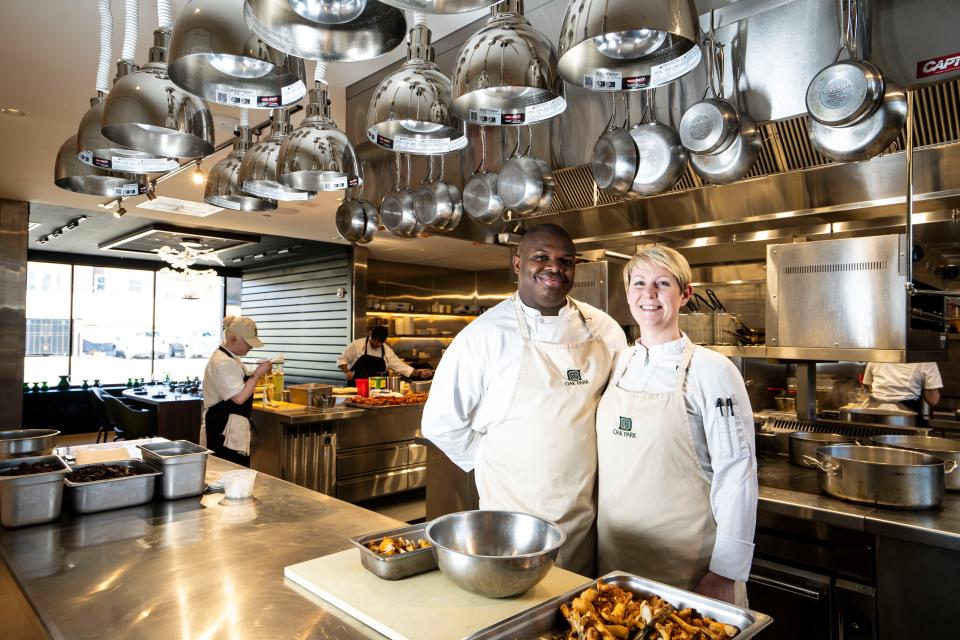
[{"x": 49, "y": 69}]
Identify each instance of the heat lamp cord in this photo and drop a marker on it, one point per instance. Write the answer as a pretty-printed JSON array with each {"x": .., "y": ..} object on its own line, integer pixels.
[
  {"x": 106, "y": 44},
  {"x": 131, "y": 17},
  {"x": 320, "y": 73},
  {"x": 419, "y": 19},
  {"x": 164, "y": 20},
  {"x": 245, "y": 118}
]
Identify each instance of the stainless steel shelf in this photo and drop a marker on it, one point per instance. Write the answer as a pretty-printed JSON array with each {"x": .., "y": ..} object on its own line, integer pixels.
[{"x": 830, "y": 355}]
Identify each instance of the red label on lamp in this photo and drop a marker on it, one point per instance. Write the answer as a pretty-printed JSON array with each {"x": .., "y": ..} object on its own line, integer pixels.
[{"x": 936, "y": 66}]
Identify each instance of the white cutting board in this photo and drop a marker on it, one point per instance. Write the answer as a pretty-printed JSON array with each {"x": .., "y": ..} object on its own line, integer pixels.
[{"x": 423, "y": 607}]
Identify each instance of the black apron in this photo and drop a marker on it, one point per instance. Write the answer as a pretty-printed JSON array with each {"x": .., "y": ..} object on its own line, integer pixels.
[
  {"x": 216, "y": 420},
  {"x": 367, "y": 365}
]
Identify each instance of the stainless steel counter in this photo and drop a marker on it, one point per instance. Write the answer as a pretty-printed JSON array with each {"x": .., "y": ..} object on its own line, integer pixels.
[
  {"x": 188, "y": 568},
  {"x": 789, "y": 490}
]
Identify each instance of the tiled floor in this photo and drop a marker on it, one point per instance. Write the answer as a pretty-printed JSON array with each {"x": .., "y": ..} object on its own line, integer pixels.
[{"x": 409, "y": 506}]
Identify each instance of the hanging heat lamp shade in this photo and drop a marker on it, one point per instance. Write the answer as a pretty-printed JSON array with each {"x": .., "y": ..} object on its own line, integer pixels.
[
  {"x": 329, "y": 11},
  {"x": 625, "y": 45},
  {"x": 92, "y": 147},
  {"x": 73, "y": 175},
  {"x": 259, "y": 170},
  {"x": 410, "y": 108},
  {"x": 506, "y": 73},
  {"x": 222, "y": 188},
  {"x": 377, "y": 30},
  {"x": 147, "y": 112},
  {"x": 318, "y": 156},
  {"x": 440, "y": 6},
  {"x": 214, "y": 55}
]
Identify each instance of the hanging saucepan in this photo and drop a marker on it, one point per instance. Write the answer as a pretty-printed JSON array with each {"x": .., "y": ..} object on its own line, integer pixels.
[
  {"x": 350, "y": 219},
  {"x": 397, "y": 208},
  {"x": 723, "y": 142},
  {"x": 549, "y": 185},
  {"x": 711, "y": 125},
  {"x": 436, "y": 202},
  {"x": 480, "y": 197},
  {"x": 855, "y": 113},
  {"x": 662, "y": 159},
  {"x": 614, "y": 159},
  {"x": 521, "y": 180},
  {"x": 371, "y": 222}
]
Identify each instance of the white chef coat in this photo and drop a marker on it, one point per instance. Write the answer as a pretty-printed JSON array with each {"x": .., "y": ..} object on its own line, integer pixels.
[
  {"x": 477, "y": 375},
  {"x": 356, "y": 349},
  {"x": 223, "y": 379},
  {"x": 896, "y": 381},
  {"x": 731, "y": 470}
]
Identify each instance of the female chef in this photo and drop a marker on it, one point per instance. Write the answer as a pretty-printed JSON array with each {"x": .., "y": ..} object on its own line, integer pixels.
[
  {"x": 228, "y": 391},
  {"x": 677, "y": 479}
]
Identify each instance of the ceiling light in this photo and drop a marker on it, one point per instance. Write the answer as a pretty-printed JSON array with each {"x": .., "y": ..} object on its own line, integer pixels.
[
  {"x": 93, "y": 148},
  {"x": 410, "y": 109},
  {"x": 318, "y": 156},
  {"x": 329, "y": 11},
  {"x": 222, "y": 188},
  {"x": 377, "y": 30},
  {"x": 258, "y": 170},
  {"x": 215, "y": 56},
  {"x": 12, "y": 111},
  {"x": 506, "y": 73},
  {"x": 147, "y": 112},
  {"x": 625, "y": 45},
  {"x": 73, "y": 175}
]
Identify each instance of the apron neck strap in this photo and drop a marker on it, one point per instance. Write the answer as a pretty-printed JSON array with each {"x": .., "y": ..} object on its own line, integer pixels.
[
  {"x": 525, "y": 332},
  {"x": 684, "y": 366}
]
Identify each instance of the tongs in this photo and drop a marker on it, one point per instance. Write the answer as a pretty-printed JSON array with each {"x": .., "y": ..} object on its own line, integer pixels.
[
  {"x": 702, "y": 301},
  {"x": 717, "y": 305}
]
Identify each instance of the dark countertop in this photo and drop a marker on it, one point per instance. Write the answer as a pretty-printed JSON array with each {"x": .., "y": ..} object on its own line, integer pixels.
[
  {"x": 189, "y": 568},
  {"x": 789, "y": 490}
]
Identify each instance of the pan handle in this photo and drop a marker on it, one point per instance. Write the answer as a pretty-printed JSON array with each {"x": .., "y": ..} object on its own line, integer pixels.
[
  {"x": 826, "y": 467},
  {"x": 701, "y": 300},
  {"x": 949, "y": 466}
]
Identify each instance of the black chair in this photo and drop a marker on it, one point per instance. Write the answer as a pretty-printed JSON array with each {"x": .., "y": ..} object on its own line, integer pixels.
[
  {"x": 100, "y": 411},
  {"x": 127, "y": 422}
]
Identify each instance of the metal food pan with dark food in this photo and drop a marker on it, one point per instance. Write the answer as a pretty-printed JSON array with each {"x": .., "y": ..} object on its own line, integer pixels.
[
  {"x": 35, "y": 496},
  {"x": 546, "y": 621},
  {"x": 401, "y": 565},
  {"x": 112, "y": 493}
]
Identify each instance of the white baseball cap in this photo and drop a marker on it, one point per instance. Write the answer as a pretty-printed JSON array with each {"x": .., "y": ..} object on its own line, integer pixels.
[{"x": 246, "y": 328}]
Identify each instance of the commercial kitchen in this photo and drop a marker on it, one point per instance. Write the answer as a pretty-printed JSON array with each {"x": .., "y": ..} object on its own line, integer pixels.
[{"x": 328, "y": 168}]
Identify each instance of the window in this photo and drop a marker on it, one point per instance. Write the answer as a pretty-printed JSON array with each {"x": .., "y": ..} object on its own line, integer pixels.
[{"x": 108, "y": 324}]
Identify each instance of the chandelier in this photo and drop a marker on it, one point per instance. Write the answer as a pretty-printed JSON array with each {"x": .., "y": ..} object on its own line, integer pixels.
[{"x": 180, "y": 260}]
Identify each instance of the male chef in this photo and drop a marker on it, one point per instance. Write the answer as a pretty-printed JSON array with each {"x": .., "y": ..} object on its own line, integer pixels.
[{"x": 515, "y": 394}]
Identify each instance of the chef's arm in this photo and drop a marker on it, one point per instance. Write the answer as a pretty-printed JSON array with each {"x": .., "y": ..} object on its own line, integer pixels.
[
  {"x": 932, "y": 396},
  {"x": 394, "y": 362},
  {"x": 346, "y": 360},
  {"x": 251, "y": 384},
  {"x": 454, "y": 396},
  {"x": 734, "y": 490}
]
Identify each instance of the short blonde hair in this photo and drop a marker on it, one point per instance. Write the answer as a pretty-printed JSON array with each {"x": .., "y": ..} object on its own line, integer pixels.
[{"x": 670, "y": 259}]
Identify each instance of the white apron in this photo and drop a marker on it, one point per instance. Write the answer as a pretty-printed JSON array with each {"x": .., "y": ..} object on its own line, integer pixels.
[
  {"x": 541, "y": 457},
  {"x": 654, "y": 516}
]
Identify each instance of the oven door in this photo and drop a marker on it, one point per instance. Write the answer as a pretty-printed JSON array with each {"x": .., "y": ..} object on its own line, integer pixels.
[{"x": 798, "y": 601}]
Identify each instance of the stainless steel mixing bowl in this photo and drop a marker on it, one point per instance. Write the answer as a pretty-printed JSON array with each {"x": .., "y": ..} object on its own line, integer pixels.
[{"x": 496, "y": 554}]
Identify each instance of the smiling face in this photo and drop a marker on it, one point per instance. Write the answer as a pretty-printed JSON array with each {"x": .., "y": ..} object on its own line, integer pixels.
[
  {"x": 545, "y": 268},
  {"x": 655, "y": 299}
]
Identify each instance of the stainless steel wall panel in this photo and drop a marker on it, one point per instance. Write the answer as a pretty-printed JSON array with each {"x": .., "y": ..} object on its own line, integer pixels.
[{"x": 13, "y": 298}]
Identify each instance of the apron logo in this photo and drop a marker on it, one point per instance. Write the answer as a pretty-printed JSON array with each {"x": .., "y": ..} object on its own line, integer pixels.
[
  {"x": 574, "y": 378},
  {"x": 625, "y": 429}
]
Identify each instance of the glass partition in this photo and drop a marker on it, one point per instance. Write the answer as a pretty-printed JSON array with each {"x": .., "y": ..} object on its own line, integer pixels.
[{"x": 47, "y": 352}]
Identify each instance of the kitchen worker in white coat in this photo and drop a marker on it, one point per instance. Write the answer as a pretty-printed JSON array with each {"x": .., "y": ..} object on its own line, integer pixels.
[
  {"x": 228, "y": 391},
  {"x": 902, "y": 385},
  {"x": 516, "y": 393},
  {"x": 677, "y": 480}
]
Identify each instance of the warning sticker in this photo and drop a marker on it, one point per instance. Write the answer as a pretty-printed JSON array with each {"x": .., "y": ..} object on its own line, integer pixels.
[
  {"x": 293, "y": 92},
  {"x": 236, "y": 97},
  {"x": 142, "y": 165},
  {"x": 275, "y": 191},
  {"x": 485, "y": 117},
  {"x": 670, "y": 71},
  {"x": 603, "y": 81}
]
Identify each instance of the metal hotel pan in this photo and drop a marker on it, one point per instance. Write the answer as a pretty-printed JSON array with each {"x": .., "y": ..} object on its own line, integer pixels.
[
  {"x": 545, "y": 619},
  {"x": 881, "y": 476},
  {"x": 946, "y": 448},
  {"x": 115, "y": 493},
  {"x": 399, "y": 566},
  {"x": 26, "y": 442}
]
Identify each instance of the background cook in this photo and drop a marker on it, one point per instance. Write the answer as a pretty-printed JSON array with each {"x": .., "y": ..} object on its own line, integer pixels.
[
  {"x": 901, "y": 385},
  {"x": 228, "y": 391},
  {"x": 677, "y": 479},
  {"x": 516, "y": 392},
  {"x": 371, "y": 356}
]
